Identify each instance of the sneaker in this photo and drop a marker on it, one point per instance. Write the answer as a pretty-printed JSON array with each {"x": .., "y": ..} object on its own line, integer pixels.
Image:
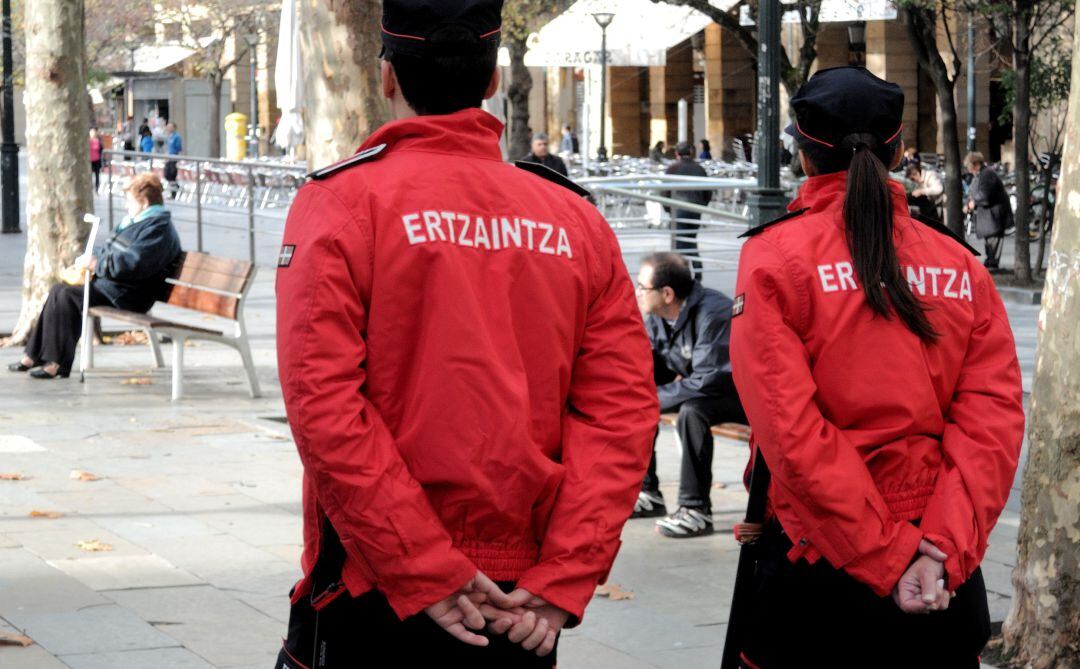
[
  {"x": 649, "y": 505},
  {"x": 686, "y": 523}
]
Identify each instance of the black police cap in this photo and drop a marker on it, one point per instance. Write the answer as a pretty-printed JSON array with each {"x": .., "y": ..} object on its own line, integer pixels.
[
  {"x": 407, "y": 25},
  {"x": 841, "y": 101}
]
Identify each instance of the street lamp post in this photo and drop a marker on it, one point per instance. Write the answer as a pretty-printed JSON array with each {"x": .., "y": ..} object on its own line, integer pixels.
[
  {"x": 9, "y": 150},
  {"x": 253, "y": 122},
  {"x": 971, "y": 84},
  {"x": 768, "y": 201},
  {"x": 603, "y": 19}
]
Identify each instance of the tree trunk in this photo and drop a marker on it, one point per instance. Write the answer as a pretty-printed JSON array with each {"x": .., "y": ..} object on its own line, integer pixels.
[
  {"x": 1021, "y": 135},
  {"x": 59, "y": 191},
  {"x": 342, "y": 89},
  {"x": 1043, "y": 628},
  {"x": 518, "y": 94},
  {"x": 216, "y": 81},
  {"x": 1051, "y": 165}
]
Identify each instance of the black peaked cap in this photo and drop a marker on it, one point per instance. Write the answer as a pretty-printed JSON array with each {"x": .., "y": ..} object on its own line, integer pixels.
[
  {"x": 840, "y": 101},
  {"x": 407, "y": 25}
]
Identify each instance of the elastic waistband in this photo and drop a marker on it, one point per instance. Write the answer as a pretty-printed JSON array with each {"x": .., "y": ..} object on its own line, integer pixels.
[
  {"x": 500, "y": 562},
  {"x": 909, "y": 503}
]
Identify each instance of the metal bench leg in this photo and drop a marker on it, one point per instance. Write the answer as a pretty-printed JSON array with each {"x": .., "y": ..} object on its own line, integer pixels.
[
  {"x": 249, "y": 365},
  {"x": 155, "y": 347},
  {"x": 178, "y": 366}
]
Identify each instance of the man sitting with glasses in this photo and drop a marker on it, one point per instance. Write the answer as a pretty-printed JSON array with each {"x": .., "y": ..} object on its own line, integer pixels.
[{"x": 688, "y": 326}]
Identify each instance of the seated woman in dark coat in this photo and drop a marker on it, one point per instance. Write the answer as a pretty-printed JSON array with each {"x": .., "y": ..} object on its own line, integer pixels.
[{"x": 129, "y": 272}]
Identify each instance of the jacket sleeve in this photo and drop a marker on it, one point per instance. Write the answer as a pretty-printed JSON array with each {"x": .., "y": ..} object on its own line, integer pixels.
[
  {"x": 832, "y": 492},
  {"x": 710, "y": 363},
  {"x": 934, "y": 187},
  {"x": 983, "y": 434},
  {"x": 143, "y": 256},
  {"x": 381, "y": 513},
  {"x": 607, "y": 431},
  {"x": 982, "y": 188}
]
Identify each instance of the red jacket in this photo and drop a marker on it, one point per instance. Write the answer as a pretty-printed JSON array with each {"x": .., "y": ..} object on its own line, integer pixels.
[
  {"x": 864, "y": 427},
  {"x": 465, "y": 370}
]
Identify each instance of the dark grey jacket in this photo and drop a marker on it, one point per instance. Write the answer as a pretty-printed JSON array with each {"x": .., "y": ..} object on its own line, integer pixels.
[
  {"x": 687, "y": 167},
  {"x": 133, "y": 265},
  {"x": 550, "y": 161},
  {"x": 696, "y": 348},
  {"x": 993, "y": 213}
]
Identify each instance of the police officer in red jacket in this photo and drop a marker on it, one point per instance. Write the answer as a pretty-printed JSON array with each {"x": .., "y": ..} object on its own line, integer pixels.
[
  {"x": 466, "y": 374},
  {"x": 876, "y": 365}
]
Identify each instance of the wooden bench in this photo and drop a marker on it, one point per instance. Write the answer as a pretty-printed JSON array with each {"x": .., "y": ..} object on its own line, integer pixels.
[
  {"x": 205, "y": 284},
  {"x": 736, "y": 431}
]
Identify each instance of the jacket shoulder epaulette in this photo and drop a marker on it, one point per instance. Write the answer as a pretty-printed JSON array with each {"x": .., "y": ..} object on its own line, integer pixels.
[
  {"x": 761, "y": 228},
  {"x": 545, "y": 172},
  {"x": 937, "y": 225},
  {"x": 364, "y": 156}
]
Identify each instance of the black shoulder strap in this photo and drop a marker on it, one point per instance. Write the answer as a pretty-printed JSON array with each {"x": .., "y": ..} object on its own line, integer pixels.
[
  {"x": 786, "y": 217},
  {"x": 545, "y": 172},
  {"x": 935, "y": 224},
  {"x": 361, "y": 157}
]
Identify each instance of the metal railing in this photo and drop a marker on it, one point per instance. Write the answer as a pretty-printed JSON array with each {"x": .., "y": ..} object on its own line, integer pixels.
[{"x": 209, "y": 183}]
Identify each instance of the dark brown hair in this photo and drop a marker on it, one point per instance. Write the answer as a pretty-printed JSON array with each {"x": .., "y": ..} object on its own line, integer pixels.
[
  {"x": 868, "y": 225},
  {"x": 147, "y": 186},
  {"x": 670, "y": 269}
]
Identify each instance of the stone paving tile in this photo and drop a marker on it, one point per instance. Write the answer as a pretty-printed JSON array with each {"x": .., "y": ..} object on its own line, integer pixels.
[
  {"x": 29, "y": 585},
  {"x": 8, "y": 542},
  {"x": 189, "y": 504},
  {"x": 140, "y": 528},
  {"x": 595, "y": 655},
  {"x": 120, "y": 572},
  {"x": 96, "y": 629},
  {"x": 196, "y": 616},
  {"x": 59, "y": 544},
  {"x": 261, "y": 526},
  {"x": 106, "y": 500},
  {"x": 160, "y": 658},
  {"x": 31, "y": 657}
]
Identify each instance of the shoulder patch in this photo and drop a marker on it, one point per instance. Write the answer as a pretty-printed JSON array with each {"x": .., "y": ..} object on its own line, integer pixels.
[
  {"x": 551, "y": 175},
  {"x": 786, "y": 217},
  {"x": 361, "y": 157},
  {"x": 937, "y": 225}
]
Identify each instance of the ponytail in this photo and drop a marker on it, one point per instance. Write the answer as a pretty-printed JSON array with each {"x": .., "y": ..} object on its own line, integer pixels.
[{"x": 868, "y": 223}]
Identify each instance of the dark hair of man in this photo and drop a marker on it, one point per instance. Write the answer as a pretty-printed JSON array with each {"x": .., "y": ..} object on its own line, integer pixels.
[
  {"x": 672, "y": 270},
  {"x": 913, "y": 171},
  {"x": 869, "y": 227},
  {"x": 453, "y": 76}
]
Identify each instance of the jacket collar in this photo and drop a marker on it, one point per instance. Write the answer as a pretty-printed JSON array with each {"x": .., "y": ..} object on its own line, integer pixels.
[
  {"x": 696, "y": 293},
  {"x": 826, "y": 193},
  {"x": 469, "y": 132}
]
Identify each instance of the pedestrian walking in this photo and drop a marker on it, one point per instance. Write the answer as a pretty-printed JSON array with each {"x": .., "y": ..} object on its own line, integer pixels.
[
  {"x": 146, "y": 141},
  {"x": 466, "y": 376},
  {"x": 706, "y": 150},
  {"x": 875, "y": 362},
  {"x": 656, "y": 154},
  {"x": 174, "y": 146},
  {"x": 925, "y": 197},
  {"x": 541, "y": 153},
  {"x": 688, "y": 327},
  {"x": 568, "y": 144},
  {"x": 684, "y": 221},
  {"x": 990, "y": 203},
  {"x": 96, "y": 149}
]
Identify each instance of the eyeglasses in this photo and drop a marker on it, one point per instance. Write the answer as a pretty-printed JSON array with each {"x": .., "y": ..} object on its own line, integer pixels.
[{"x": 643, "y": 289}]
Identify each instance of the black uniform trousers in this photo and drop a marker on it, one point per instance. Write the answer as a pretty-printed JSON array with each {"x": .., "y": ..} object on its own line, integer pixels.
[
  {"x": 56, "y": 334},
  {"x": 993, "y": 250},
  {"x": 696, "y": 418},
  {"x": 685, "y": 238},
  {"x": 804, "y": 615}
]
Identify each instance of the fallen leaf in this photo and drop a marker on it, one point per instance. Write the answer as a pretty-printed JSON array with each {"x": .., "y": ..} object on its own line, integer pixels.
[
  {"x": 131, "y": 338},
  {"x": 138, "y": 381},
  {"x": 12, "y": 476},
  {"x": 11, "y": 639},
  {"x": 45, "y": 514},
  {"x": 614, "y": 592},
  {"x": 93, "y": 546},
  {"x": 79, "y": 475}
]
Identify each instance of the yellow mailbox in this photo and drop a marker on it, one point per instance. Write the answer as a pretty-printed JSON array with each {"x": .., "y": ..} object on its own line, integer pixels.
[{"x": 236, "y": 136}]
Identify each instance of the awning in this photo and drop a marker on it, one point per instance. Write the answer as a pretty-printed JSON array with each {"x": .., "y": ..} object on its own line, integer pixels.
[{"x": 639, "y": 35}]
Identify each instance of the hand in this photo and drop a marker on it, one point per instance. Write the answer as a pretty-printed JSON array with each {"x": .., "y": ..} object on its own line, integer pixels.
[
  {"x": 471, "y": 607},
  {"x": 538, "y": 629},
  {"x": 916, "y": 193},
  {"x": 922, "y": 587}
]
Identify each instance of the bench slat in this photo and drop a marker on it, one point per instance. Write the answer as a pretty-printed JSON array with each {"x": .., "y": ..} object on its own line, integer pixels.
[
  {"x": 206, "y": 302},
  {"x": 145, "y": 320},
  {"x": 736, "y": 431},
  {"x": 216, "y": 264}
]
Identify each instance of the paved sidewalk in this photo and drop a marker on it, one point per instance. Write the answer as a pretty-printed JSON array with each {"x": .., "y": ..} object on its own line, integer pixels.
[{"x": 200, "y": 502}]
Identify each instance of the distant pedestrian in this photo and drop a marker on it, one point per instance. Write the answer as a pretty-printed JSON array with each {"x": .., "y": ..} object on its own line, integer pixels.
[
  {"x": 174, "y": 146},
  {"x": 911, "y": 157},
  {"x": 569, "y": 143},
  {"x": 706, "y": 150},
  {"x": 146, "y": 141},
  {"x": 988, "y": 199},
  {"x": 542, "y": 154},
  {"x": 684, "y": 221},
  {"x": 928, "y": 190},
  {"x": 657, "y": 153},
  {"x": 96, "y": 148}
]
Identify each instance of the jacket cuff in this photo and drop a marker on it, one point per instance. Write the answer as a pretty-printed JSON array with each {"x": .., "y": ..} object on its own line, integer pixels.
[
  {"x": 954, "y": 572},
  {"x": 570, "y": 593},
  {"x": 882, "y": 570}
]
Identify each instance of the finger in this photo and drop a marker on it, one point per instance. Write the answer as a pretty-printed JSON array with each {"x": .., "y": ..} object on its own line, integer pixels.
[
  {"x": 495, "y": 613},
  {"x": 477, "y": 597},
  {"x": 519, "y": 597},
  {"x": 500, "y": 626},
  {"x": 942, "y": 595},
  {"x": 458, "y": 631},
  {"x": 494, "y": 593},
  {"x": 927, "y": 587},
  {"x": 522, "y": 629},
  {"x": 533, "y": 641},
  {"x": 473, "y": 618},
  {"x": 929, "y": 549},
  {"x": 548, "y": 645}
]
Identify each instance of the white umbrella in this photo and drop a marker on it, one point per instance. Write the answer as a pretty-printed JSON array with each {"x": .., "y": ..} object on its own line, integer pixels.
[{"x": 289, "y": 78}]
